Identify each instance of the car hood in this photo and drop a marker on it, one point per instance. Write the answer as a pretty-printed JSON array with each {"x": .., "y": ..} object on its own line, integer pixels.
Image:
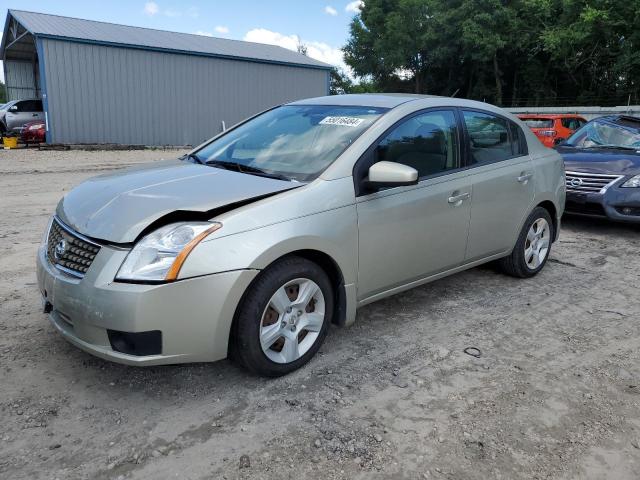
[
  {"x": 118, "y": 207},
  {"x": 615, "y": 162}
]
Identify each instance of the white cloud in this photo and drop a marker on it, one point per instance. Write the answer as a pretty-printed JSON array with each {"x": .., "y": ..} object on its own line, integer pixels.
[
  {"x": 329, "y": 10},
  {"x": 317, "y": 50},
  {"x": 354, "y": 7},
  {"x": 151, "y": 8},
  {"x": 204, "y": 34},
  {"x": 222, "y": 29}
]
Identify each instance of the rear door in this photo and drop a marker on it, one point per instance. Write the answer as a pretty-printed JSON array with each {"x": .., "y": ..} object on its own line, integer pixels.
[{"x": 503, "y": 182}]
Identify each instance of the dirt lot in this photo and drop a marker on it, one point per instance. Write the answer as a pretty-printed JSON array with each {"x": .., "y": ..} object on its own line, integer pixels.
[{"x": 555, "y": 394}]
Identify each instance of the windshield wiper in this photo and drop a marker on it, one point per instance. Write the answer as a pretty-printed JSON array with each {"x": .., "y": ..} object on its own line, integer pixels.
[
  {"x": 246, "y": 169},
  {"x": 192, "y": 156}
]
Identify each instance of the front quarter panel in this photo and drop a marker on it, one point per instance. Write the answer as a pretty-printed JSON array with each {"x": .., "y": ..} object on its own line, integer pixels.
[{"x": 320, "y": 216}]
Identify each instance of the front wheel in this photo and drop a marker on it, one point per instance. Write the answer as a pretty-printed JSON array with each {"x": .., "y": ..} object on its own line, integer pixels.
[
  {"x": 532, "y": 248},
  {"x": 283, "y": 318}
]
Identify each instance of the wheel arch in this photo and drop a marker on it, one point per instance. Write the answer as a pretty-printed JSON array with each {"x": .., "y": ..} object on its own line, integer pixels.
[
  {"x": 330, "y": 267},
  {"x": 550, "y": 207}
]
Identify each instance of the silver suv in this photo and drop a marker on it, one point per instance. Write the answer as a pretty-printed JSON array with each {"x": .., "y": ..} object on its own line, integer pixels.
[{"x": 256, "y": 241}]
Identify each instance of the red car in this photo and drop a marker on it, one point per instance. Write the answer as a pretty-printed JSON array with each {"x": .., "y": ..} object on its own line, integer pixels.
[
  {"x": 552, "y": 129},
  {"x": 33, "y": 132}
]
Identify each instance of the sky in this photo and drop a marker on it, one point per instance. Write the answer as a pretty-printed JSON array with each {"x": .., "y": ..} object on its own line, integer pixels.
[{"x": 323, "y": 26}]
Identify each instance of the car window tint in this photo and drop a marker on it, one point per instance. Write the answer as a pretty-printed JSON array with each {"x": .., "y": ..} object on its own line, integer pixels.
[
  {"x": 538, "y": 122},
  {"x": 20, "y": 107},
  {"x": 426, "y": 142},
  {"x": 488, "y": 136},
  {"x": 518, "y": 141},
  {"x": 571, "y": 123}
]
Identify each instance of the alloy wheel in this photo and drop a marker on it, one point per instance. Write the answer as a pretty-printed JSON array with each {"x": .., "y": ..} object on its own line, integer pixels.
[
  {"x": 536, "y": 245},
  {"x": 292, "y": 320}
]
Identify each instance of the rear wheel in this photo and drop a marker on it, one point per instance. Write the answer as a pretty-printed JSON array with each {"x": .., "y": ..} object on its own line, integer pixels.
[
  {"x": 283, "y": 318},
  {"x": 532, "y": 248}
]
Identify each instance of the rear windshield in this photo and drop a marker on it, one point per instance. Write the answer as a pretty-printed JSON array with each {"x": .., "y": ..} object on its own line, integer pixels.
[{"x": 538, "y": 122}]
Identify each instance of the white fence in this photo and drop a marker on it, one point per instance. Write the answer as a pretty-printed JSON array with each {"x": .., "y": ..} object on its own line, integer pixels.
[{"x": 587, "y": 112}]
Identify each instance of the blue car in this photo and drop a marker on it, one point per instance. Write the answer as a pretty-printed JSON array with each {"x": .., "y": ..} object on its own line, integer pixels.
[{"x": 602, "y": 165}]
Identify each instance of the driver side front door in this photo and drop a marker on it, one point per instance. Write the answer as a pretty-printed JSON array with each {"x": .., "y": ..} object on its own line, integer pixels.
[{"x": 412, "y": 232}]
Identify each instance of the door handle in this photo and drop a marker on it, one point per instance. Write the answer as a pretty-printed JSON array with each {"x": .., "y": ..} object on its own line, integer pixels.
[
  {"x": 524, "y": 177},
  {"x": 459, "y": 198},
  {"x": 34, "y": 114}
]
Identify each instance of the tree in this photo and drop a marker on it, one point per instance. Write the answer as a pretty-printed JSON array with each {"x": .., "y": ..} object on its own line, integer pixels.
[
  {"x": 301, "y": 47},
  {"x": 3, "y": 93},
  {"x": 503, "y": 51},
  {"x": 339, "y": 82}
]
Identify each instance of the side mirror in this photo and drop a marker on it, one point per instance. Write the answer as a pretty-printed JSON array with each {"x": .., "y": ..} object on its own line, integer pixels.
[{"x": 390, "y": 174}]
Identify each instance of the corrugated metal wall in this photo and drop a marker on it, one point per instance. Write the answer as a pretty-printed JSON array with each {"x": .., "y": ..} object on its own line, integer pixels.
[
  {"x": 21, "y": 80},
  {"x": 101, "y": 94}
]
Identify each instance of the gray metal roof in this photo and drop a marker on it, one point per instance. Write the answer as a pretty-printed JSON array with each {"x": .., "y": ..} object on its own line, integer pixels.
[{"x": 76, "y": 29}]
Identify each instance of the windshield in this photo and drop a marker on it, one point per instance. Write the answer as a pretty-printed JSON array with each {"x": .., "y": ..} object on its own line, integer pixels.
[
  {"x": 538, "y": 122},
  {"x": 8, "y": 105},
  {"x": 599, "y": 133},
  {"x": 295, "y": 141}
]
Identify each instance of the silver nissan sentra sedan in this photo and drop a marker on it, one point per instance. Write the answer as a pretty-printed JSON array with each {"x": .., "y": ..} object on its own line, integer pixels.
[{"x": 255, "y": 242}]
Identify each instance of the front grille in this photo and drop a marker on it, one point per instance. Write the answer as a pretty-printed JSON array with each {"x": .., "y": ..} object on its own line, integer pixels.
[
  {"x": 69, "y": 251},
  {"x": 589, "y": 182}
]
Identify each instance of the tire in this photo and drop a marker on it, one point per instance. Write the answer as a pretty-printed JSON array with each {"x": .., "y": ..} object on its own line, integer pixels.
[
  {"x": 521, "y": 263},
  {"x": 291, "y": 303}
]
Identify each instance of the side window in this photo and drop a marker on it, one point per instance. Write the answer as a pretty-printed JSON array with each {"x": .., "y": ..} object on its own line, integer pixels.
[
  {"x": 488, "y": 136},
  {"x": 20, "y": 107},
  {"x": 426, "y": 142},
  {"x": 571, "y": 123},
  {"x": 518, "y": 140},
  {"x": 31, "y": 106}
]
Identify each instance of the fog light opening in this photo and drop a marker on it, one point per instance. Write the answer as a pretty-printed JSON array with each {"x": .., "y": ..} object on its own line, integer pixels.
[{"x": 139, "y": 344}]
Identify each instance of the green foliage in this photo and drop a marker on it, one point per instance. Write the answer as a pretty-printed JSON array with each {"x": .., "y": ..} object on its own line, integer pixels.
[
  {"x": 502, "y": 51},
  {"x": 340, "y": 83},
  {"x": 3, "y": 93}
]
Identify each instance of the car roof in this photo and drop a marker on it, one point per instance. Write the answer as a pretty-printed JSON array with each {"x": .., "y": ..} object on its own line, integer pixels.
[
  {"x": 385, "y": 100},
  {"x": 624, "y": 120},
  {"x": 392, "y": 100}
]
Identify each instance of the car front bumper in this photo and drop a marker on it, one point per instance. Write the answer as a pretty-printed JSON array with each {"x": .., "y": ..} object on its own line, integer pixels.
[
  {"x": 615, "y": 203},
  {"x": 193, "y": 315}
]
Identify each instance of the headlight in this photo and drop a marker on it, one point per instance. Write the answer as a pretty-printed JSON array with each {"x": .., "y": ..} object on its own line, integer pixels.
[
  {"x": 632, "y": 182},
  {"x": 160, "y": 255}
]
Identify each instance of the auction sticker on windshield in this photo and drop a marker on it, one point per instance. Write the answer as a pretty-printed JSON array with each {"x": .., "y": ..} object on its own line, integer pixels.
[{"x": 343, "y": 121}]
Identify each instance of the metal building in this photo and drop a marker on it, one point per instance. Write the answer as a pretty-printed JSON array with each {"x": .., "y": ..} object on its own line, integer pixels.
[{"x": 107, "y": 83}]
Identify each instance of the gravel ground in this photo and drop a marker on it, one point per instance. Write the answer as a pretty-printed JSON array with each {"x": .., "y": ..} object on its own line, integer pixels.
[{"x": 555, "y": 393}]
